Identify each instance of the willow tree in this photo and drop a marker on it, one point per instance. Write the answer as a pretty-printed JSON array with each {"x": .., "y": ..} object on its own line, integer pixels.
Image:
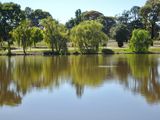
[
  {"x": 50, "y": 27},
  {"x": 22, "y": 35},
  {"x": 55, "y": 35},
  {"x": 88, "y": 35},
  {"x": 36, "y": 35},
  {"x": 61, "y": 39},
  {"x": 140, "y": 41}
]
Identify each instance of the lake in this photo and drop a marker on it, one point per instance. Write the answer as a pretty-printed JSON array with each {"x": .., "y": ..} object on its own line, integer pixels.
[{"x": 87, "y": 87}]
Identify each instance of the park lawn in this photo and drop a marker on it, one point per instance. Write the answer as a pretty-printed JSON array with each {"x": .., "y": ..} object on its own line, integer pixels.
[
  {"x": 154, "y": 49},
  {"x": 110, "y": 49}
]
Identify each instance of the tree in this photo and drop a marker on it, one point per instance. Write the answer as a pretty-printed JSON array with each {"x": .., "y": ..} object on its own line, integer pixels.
[
  {"x": 22, "y": 35},
  {"x": 131, "y": 18},
  {"x": 91, "y": 15},
  {"x": 87, "y": 36},
  {"x": 55, "y": 35},
  {"x": 136, "y": 19},
  {"x": 124, "y": 18},
  {"x": 140, "y": 41},
  {"x": 10, "y": 17},
  {"x": 134, "y": 13},
  {"x": 70, "y": 24},
  {"x": 150, "y": 13},
  {"x": 28, "y": 13},
  {"x": 80, "y": 17},
  {"x": 1, "y": 42},
  {"x": 75, "y": 21},
  {"x": 152, "y": 2},
  {"x": 121, "y": 33},
  {"x": 107, "y": 22},
  {"x": 35, "y": 16},
  {"x": 61, "y": 39},
  {"x": 50, "y": 29},
  {"x": 36, "y": 35}
]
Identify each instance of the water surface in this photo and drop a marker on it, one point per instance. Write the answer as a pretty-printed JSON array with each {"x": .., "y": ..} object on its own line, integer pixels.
[{"x": 112, "y": 87}]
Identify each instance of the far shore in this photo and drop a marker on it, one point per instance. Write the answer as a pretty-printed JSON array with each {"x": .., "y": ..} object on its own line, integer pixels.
[
  {"x": 110, "y": 49},
  {"x": 47, "y": 52}
]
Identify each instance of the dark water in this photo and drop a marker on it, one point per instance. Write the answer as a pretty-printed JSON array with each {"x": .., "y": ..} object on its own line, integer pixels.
[{"x": 114, "y": 87}]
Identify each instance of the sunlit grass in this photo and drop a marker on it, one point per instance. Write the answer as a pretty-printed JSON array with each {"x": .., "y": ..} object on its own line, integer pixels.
[{"x": 111, "y": 49}]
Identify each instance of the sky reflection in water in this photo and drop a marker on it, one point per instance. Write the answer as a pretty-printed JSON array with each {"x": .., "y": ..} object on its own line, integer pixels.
[{"x": 110, "y": 87}]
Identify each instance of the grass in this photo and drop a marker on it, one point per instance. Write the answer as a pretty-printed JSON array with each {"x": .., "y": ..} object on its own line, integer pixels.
[
  {"x": 41, "y": 51},
  {"x": 154, "y": 49},
  {"x": 110, "y": 49}
]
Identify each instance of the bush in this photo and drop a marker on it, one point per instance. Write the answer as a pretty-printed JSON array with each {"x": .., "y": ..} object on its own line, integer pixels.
[
  {"x": 120, "y": 32},
  {"x": 140, "y": 41},
  {"x": 87, "y": 36}
]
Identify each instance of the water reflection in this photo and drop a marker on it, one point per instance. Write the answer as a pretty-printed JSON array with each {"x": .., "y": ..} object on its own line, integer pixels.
[{"x": 21, "y": 75}]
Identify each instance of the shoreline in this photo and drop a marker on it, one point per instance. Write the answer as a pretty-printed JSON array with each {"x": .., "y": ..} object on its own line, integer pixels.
[{"x": 105, "y": 51}]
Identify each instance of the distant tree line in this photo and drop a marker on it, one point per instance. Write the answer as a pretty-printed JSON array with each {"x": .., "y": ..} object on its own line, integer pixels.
[{"x": 87, "y": 31}]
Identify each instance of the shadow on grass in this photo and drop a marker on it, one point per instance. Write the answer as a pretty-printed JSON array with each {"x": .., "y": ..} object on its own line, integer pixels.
[
  {"x": 50, "y": 53},
  {"x": 147, "y": 52},
  {"x": 107, "y": 51}
]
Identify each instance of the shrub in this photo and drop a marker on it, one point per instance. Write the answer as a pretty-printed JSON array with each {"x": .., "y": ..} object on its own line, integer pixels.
[
  {"x": 120, "y": 32},
  {"x": 140, "y": 41},
  {"x": 87, "y": 36}
]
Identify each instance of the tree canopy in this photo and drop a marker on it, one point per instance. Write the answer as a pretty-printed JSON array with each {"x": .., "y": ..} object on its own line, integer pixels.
[
  {"x": 140, "y": 41},
  {"x": 120, "y": 32},
  {"x": 88, "y": 35},
  {"x": 22, "y": 35},
  {"x": 10, "y": 17},
  {"x": 55, "y": 35}
]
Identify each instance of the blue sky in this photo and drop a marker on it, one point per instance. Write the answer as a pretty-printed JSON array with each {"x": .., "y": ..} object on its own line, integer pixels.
[{"x": 63, "y": 10}]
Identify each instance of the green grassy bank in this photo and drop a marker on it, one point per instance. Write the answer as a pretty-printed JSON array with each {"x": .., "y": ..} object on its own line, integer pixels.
[{"x": 46, "y": 51}]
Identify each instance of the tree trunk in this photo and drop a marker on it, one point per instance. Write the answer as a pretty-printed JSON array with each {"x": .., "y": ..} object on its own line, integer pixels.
[
  {"x": 52, "y": 47},
  {"x": 34, "y": 45},
  {"x": 24, "y": 50},
  {"x": 9, "y": 48},
  {"x": 152, "y": 30}
]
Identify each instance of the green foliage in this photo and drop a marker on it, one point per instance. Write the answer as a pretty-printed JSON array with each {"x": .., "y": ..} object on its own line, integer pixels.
[
  {"x": 91, "y": 15},
  {"x": 140, "y": 40},
  {"x": 124, "y": 18},
  {"x": 87, "y": 36},
  {"x": 36, "y": 35},
  {"x": 10, "y": 17},
  {"x": 75, "y": 21},
  {"x": 55, "y": 35},
  {"x": 131, "y": 18},
  {"x": 61, "y": 38},
  {"x": 150, "y": 13},
  {"x": 50, "y": 27},
  {"x": 135, "y": 19},
  {"x": 22, "y": 35},
  {"x": 120, "y": 32},
  {"x": 35, "y": 16},
  {"x": 78, "y": 15},
  {"x": 107, "y": 22},
  {"x": 152, "y": 2}
]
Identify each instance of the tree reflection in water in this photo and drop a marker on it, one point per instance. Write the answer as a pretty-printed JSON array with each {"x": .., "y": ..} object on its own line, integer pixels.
[{"x": 20, "y": 75}]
